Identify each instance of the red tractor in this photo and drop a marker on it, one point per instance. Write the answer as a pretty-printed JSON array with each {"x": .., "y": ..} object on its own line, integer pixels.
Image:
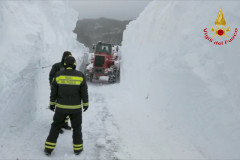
[{"x": 105, "y": 62}]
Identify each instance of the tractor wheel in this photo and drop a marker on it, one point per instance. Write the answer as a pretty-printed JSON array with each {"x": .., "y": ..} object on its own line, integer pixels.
[
  {"x": 90, "y": 77},
  {"x": 118, "y": 75},
  {"x": 113, "y": 75},
  {"x": 87, "y": 76}
]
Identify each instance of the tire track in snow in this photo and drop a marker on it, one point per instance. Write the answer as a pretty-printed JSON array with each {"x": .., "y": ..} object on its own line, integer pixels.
[{"x": 96, "y": 136}]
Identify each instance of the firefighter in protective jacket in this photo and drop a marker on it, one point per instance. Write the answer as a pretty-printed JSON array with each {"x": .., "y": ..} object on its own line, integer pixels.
[
  {"x": 55, "y": 68},
  {"x": 58, "y": 66},
  {"x": 68, "y": 91}
]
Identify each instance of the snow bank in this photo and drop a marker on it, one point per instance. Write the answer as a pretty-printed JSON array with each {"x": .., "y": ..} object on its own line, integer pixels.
[
  {"x": 183, "y": 92},
  {"x": 33, "y": 31},
  {"x": 34, "y": 34}
]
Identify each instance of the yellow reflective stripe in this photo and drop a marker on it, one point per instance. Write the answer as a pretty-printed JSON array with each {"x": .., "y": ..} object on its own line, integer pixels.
[
  {"x": 49, "y": 147},
  {"x": 52, "y": 103},
  {"x": 69, "y": 68},
  {"x": 73, "y": 78},
  {"x": 70, "y": 80},
  {"x": 67, "y": 118},
  {"x": 78, "y": 145},
  {"x": 85, "y": 104},
  {"x": 53, "y": 144},
  {"x": 69, "y": 106},
  {"x": 78, "y": 148}
]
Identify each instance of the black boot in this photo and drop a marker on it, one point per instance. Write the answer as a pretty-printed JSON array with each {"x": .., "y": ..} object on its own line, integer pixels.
[
  {"x": 47, "y": 151},
  {"x": 66, "y": 126},
  {"x": 61, "y": 131},
  {"x": 77, "y": 152}
]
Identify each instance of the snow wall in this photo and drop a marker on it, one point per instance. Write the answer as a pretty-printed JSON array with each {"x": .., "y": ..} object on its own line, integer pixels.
[
  {"x": 171, "y": 72},
  {"x": 34, "y": 34}
]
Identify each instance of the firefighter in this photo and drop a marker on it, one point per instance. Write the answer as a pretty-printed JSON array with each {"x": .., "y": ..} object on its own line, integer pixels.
[
  {"x": 55, "y": 68},
  {"x": 68, "y": 91}
]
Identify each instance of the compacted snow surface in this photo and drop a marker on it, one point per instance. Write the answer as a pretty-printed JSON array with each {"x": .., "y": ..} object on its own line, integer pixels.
[{"x": 178, "y": 97}]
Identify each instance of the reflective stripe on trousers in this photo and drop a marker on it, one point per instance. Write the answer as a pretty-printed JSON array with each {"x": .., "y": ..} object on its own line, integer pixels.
[
  {"x": 77, "y": 147},
  {"x": 50, "y": 145},
  {"x": 68, "y": 106}
]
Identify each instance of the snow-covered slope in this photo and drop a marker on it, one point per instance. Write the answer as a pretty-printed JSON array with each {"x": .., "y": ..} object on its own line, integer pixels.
[
  {"x": 30, "y": 28},
  {"x": 34, "y": 34},
  {"x": 182, "y": 91}
]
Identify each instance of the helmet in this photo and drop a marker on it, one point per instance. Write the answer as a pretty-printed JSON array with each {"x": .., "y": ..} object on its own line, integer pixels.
[
  {"x": 65, "y": 54},
  {"x": 70, "y": 62}
]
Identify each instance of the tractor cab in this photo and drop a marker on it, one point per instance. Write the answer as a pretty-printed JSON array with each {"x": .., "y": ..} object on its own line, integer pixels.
[{"x": 103, "y": 48}]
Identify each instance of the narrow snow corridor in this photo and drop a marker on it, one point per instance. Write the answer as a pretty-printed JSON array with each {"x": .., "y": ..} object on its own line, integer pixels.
[
  {"x": 178, "y": 97},
  {"x": 25, "y": 133}
]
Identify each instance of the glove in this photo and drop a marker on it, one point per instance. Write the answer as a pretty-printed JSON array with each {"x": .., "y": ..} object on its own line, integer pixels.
[
  {"x": 85, "y": 108},
  {"x": 52, "y": 107}
]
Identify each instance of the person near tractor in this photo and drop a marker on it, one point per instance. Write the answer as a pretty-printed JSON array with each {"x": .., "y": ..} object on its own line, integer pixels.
[
  {"x": 104, "y": 50},
  {"x": 55, "y": 68},
  {"x": 68, "y": 91}
]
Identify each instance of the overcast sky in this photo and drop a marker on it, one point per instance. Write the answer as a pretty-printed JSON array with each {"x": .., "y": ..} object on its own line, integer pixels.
[{"x": 115, "y": 9}]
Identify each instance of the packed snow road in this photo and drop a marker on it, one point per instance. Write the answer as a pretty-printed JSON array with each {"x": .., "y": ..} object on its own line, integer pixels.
[{"x": 26, "y": 122}]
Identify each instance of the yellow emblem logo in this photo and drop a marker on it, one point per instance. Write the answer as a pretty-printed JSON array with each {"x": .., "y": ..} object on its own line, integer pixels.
[
  {"x": 220, "y": 30},
  {"x": 220, "y": 22}
]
